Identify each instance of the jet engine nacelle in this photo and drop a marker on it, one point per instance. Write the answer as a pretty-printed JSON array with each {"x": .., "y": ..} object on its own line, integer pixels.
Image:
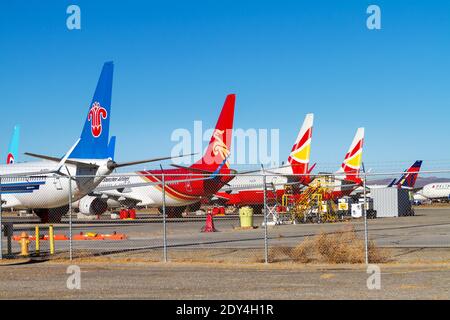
[{"x": 89, "y": 205}]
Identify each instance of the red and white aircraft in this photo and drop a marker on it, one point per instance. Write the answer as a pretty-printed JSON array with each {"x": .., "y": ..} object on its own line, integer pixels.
[
  {"x": 185, "y": 186},
  {"x": 249, "y": 191}
]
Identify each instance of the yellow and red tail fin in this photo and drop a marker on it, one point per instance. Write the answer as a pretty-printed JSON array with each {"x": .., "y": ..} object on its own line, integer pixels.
[
  {"x": 219, "y": 147},
  {"x": 353, "y": 159},
  {"x": 299, "y": 156}
]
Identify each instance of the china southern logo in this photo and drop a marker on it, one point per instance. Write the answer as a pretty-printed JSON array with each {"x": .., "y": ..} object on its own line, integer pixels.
[{"x": 96, "y": 114}]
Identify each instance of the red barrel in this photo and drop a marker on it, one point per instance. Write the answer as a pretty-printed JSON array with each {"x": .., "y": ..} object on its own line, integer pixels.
[
  {"x": 132, "y": 213},
  {"x": 215, "y": 211},
  {"x": 123, "y": 214},
  {"x": 222, "y": 210}
]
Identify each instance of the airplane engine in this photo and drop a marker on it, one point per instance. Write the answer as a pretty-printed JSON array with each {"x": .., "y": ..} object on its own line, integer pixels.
[{"x": 92, "y": 206}]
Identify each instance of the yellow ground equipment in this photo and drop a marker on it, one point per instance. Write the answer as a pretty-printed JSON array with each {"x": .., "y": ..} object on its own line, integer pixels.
[{"x": 311, "y": 205}]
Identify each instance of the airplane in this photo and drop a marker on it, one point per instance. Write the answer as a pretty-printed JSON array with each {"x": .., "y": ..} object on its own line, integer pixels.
[
  {"x": 406, "y": 181},
  {"x": 184, "y": 186},
  {"x": 248, "y": 188},
  {"x": 345, "y": 181},
  {"x": 433, "y": 192},
  {"x": 13, "y": 149},
  {"x": 44, "y": 187}
]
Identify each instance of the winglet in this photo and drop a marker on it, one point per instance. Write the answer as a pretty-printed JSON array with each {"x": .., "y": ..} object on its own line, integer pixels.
[{"x": 67, "y": 155}]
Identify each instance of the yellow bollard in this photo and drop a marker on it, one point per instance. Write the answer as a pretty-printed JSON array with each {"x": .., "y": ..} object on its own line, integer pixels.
[
  {"x": 36, "y": 233},
  {"x": 51, "y": 239},
  {"x": 24, "y": 242}
]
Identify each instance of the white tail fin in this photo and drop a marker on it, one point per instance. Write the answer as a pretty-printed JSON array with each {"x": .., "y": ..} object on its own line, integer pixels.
[
  {"x": 352, "y": 162},
  {"x": 299, "y": 156}
]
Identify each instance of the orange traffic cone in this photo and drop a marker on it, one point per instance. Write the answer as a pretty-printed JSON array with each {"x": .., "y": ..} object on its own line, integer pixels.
[{"x": 209, "y": 225}]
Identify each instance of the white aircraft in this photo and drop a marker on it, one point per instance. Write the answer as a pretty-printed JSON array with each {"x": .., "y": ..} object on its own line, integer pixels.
[
  {"x": 433, "y": 191},
  {"x": 185, "y": 186},
  {"x": 44, "y": 187}
]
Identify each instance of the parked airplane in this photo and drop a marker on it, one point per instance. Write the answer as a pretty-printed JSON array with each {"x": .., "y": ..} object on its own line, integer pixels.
[
  {"x": 406, "y": 181},
  {"x": 347, "y": 178},
  {"x": 433, "y": 192},
  {"x": 248, "y": 189},
  {"x": 44, "y": 186},
  {"x": 185, "y": 186},
  {"x": 345, "y": 181},
  {"x": 13, "y": 149}
]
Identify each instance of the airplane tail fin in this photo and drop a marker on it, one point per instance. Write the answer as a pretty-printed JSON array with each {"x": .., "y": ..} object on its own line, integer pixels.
[
  {"x": 408, "y": 179},
  {"x": 95, "y": 134},
  {"x": 218, "y": 150},
  {"x": 13, "y": 146},
  {"x": 299, "y": 156},
  {"x": 352, "y": 162},
  {"x": 112, "y": 147},
  {"x": 392, "y": 183}
]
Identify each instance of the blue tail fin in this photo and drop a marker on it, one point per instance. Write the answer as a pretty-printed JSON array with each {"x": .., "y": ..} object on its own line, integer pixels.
[
  {"x": 13, "y": 150},
  {"x": 408, "y": 179},
  {"x": 112, "y": 147},
  {"x": 95, "y": 134},
  {"x": 392, "y": 183}
]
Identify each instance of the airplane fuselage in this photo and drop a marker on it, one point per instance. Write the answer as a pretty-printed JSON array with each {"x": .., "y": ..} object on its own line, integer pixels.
[
  {"x": 49, "y": 190},
  {"x": 434, "y": 191},
  {"x": 177, "y": 194}
]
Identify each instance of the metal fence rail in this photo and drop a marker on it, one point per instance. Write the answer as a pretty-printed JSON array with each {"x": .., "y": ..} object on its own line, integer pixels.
[{"x": 173, "y": 218}]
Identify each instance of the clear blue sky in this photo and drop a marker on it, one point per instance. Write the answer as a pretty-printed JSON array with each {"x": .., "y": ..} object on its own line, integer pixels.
[{"x": 176, "y": 60}]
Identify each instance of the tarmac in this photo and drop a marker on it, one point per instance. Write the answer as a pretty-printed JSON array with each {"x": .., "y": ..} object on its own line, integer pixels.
[
  {"x": 425, "y": 235},
  {"x": 212, "y": 281},
  {"x": 228, "y": 264}
]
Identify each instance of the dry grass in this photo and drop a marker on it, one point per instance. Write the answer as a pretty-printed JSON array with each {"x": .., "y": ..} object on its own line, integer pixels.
[
  {"x": 303, "y": 252},
  {"x": 341, "y": 247}
]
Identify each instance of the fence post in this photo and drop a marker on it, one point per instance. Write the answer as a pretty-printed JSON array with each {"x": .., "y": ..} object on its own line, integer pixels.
[
  {"x": 366, "y": 235},
  {"x": 266, "y": 244},
  {"x": 70, "y": 219},
  {"x": 164, "y": 216},
  {"x": 1, "y": 221}
]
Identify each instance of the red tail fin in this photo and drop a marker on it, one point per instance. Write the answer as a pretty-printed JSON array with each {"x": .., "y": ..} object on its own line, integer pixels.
[
  {"x": 219, "y": 146},
  {"x": 299, "y": 156}
]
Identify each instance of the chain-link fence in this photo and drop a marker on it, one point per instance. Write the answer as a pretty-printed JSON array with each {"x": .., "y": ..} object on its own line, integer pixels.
[{"x": 240, "y": 218}]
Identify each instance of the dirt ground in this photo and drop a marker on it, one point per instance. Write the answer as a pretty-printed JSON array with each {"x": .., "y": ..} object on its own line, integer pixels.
[{"x": 101, "y": 279}]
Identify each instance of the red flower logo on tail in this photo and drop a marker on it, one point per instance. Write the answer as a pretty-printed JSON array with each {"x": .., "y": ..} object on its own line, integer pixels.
[{"x": 96, "y": 114}]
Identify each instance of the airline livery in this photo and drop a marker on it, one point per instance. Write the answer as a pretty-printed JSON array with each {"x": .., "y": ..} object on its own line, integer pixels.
[
  {"x": 248, "y": 189},
  {"x": 44, "y": 187},
  {"x": 185, "y": 186}
]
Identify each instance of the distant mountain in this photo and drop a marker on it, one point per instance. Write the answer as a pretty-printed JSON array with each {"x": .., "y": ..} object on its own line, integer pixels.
[{"x": 421, "y": 181}]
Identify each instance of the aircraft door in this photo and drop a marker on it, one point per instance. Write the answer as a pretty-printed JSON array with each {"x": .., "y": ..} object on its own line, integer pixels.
[
  {"x": 188, "y": 183},
  {"x": 57, "y": 183}
]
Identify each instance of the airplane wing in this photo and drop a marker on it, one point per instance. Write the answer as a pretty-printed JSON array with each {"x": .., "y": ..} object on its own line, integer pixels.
[
  {"x": 145, "y": 184},
  {"x": 120, "y": 197},
  {"x": 257, "y": 186}
]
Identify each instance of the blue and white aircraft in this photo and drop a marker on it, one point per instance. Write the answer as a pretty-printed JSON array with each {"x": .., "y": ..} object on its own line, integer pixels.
[{"x": 45, "y": 186}]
